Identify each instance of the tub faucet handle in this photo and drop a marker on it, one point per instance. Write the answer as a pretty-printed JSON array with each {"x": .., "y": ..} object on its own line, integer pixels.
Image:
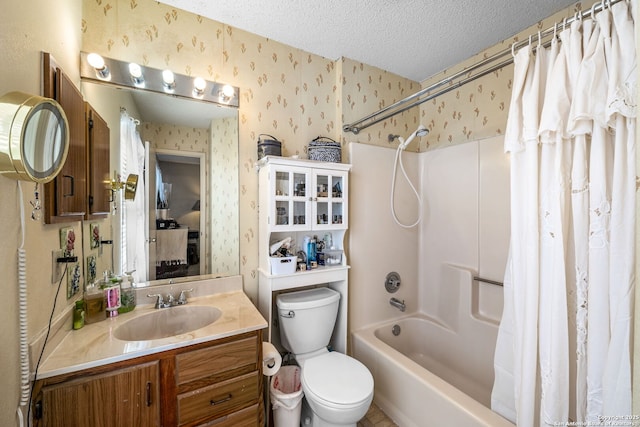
[{"x": 392, "y": 282}]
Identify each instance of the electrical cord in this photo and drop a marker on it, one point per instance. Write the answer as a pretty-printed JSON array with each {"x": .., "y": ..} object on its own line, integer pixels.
[
  {"x": 23, "y": 332},
  {"x": 46, "y": 338}
]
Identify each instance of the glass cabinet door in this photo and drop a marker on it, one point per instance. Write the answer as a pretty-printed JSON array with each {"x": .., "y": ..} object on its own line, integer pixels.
[
  {"x": 329, "y": 200},
  {"x": 292, "y": 207}
]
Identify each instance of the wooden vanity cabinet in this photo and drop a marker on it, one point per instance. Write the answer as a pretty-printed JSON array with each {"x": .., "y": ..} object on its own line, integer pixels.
[
  {"x": 215, "y": 383},
  {"x": 126, "y": 396}
]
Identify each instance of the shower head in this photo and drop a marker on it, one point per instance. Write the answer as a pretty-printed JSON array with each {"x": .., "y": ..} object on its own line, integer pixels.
[{"x": 420, "y": 132}]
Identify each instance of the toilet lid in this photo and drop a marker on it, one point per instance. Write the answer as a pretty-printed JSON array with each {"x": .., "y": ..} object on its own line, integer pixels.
[{"x": 337, "y": 379}]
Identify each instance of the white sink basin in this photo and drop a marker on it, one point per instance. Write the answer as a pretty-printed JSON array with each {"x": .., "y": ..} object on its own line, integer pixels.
[{"x": 167, "y": 322}]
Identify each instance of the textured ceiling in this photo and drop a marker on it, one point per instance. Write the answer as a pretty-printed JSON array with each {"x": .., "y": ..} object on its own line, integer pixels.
[{"x": 412, "y": 38}]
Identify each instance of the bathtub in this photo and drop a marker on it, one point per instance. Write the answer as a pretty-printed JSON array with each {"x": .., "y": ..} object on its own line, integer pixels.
[
  {"x": 434, "y": 372},
  {"x": 419, "y": 384}
]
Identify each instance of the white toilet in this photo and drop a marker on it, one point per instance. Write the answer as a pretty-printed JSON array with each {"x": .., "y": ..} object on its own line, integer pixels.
[{"x": 337, "y": 388}]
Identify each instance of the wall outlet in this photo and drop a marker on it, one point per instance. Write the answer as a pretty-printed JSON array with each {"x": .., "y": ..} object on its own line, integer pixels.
[{"x": 56, "y": 267}]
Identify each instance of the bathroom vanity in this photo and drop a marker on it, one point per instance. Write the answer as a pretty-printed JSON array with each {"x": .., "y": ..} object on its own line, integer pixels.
[{"x": 209, "y": 376}]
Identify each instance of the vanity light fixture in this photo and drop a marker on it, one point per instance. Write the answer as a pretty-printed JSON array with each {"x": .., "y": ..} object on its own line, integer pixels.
[
  {"x": 136, "y": 74},
  {"x": 168, "y": 80},
  {"x": 97, "y": 62},
  {"x": 199, "y": 85},
  {"x": 98, "y": 69}
]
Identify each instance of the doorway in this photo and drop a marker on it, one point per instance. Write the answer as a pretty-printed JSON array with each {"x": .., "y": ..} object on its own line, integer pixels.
[{"x": 181, "y": 228}]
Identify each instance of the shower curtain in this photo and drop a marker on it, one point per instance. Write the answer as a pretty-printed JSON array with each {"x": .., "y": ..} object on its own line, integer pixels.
[
  {"x": 133, "y": 229},
  {"x": 564, "y": 344}
]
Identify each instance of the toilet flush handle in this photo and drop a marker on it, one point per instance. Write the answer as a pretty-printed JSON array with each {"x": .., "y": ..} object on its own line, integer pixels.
[{"x": 290, "y": 315}]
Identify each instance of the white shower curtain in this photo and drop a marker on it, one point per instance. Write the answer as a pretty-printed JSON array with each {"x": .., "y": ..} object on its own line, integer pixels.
[
  {"x": 563, "y": 351},
  {"x": 133, "y": 211}
]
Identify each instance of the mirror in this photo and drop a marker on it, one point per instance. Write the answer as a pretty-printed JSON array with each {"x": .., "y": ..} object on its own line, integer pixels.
[
  {"x": 34, "y": 137},
  {"x": 174, "y": 128}
]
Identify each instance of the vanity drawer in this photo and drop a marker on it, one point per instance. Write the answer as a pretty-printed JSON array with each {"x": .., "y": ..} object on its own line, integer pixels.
[
  {"x": 217, "y": 359},
  {"x": 247, "y": 417},
  {"x": 218, "y": 399}
]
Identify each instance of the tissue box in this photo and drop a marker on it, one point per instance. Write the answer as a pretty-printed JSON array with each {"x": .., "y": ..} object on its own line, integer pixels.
[
  {"x": 283, "y": 265},
  {"x": 330, "y": 257}
]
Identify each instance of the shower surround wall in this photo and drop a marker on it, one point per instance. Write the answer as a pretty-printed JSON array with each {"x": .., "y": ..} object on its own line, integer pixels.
[
  {"x": 466, "y": 223},
  {"x": 465, "y": 191},
  {"x": 378, "y": 245}
]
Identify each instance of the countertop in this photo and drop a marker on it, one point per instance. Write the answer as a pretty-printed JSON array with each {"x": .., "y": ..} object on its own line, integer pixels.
[{"x": 95, "y": 344}]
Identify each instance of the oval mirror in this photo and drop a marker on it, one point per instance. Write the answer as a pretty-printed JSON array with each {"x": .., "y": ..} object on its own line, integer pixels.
[{"x": 34, "y": 137}]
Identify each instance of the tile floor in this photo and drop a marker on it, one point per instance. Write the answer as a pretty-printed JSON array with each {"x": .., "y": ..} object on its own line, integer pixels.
[{"x": 376, "y": 418}]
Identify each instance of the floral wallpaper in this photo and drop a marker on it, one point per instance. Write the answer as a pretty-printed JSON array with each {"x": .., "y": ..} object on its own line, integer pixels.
[
  {"x": 366, "y": 89},
  {"x": 479, "y": 109},
  {"x": 285, "y": 92},
  {"x": 291, "y": 94},
  {"x": 223, "y": 243}
]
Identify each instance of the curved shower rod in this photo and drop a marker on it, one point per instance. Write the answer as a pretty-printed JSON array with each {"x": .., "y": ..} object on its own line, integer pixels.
[{"x": 424, "y": 95}]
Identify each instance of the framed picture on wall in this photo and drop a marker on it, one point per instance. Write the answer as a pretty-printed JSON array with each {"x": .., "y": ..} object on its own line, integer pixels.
[{"x": 95, "y": 235}]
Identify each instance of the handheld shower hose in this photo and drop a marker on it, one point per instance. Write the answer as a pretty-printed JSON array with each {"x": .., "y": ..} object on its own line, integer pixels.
[{"x": 420, "y": 132}]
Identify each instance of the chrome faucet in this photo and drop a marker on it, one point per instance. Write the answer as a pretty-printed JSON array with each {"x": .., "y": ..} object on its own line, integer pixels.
[
  {"x": 398, "y": 304},
  {"x": 182, "y": 299},
  {"x": 160, "y": 302},
  {"x": 170, "y": 300}
]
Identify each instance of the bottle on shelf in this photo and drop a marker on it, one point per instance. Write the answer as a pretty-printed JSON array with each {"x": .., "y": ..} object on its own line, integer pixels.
[
  {"x": 312, "y": 260},
  {"x": 78, "y": 315}
]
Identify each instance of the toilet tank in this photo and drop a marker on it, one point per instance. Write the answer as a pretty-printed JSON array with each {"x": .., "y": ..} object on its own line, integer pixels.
[{"x": 307, "y": 318}]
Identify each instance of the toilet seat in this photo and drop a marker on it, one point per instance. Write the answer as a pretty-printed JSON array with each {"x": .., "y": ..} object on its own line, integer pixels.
[{"x": 336, "y": 380}]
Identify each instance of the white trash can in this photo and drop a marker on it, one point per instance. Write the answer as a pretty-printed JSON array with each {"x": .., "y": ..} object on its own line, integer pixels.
[{"x": 286, "y": 396}]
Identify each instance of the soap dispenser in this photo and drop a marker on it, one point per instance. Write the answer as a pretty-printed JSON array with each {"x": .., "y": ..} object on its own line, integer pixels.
[{"x": 127, "y": 293}]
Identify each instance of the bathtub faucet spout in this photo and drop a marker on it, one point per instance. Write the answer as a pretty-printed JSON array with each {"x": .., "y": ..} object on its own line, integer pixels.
[{"x": 398, "y": 304}]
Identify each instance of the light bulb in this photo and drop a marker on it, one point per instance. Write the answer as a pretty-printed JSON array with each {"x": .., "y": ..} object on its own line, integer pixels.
[
  {"x": 168, "y": 79},
  {"x": 228, "y": 91},
  {"x": 97, "y": 62},
  {"x": 136, "y": 74},
  {"x": 135, "y": 70},
  {"x": 199, "y": 84}
]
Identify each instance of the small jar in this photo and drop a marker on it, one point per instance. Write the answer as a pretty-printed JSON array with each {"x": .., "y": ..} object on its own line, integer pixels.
[
  {"x": 78, "y": 315},
  {"x": 94, "y": 304}
]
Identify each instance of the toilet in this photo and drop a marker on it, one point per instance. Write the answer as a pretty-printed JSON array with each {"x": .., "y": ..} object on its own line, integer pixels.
[{"x": 338, "y": 389}]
